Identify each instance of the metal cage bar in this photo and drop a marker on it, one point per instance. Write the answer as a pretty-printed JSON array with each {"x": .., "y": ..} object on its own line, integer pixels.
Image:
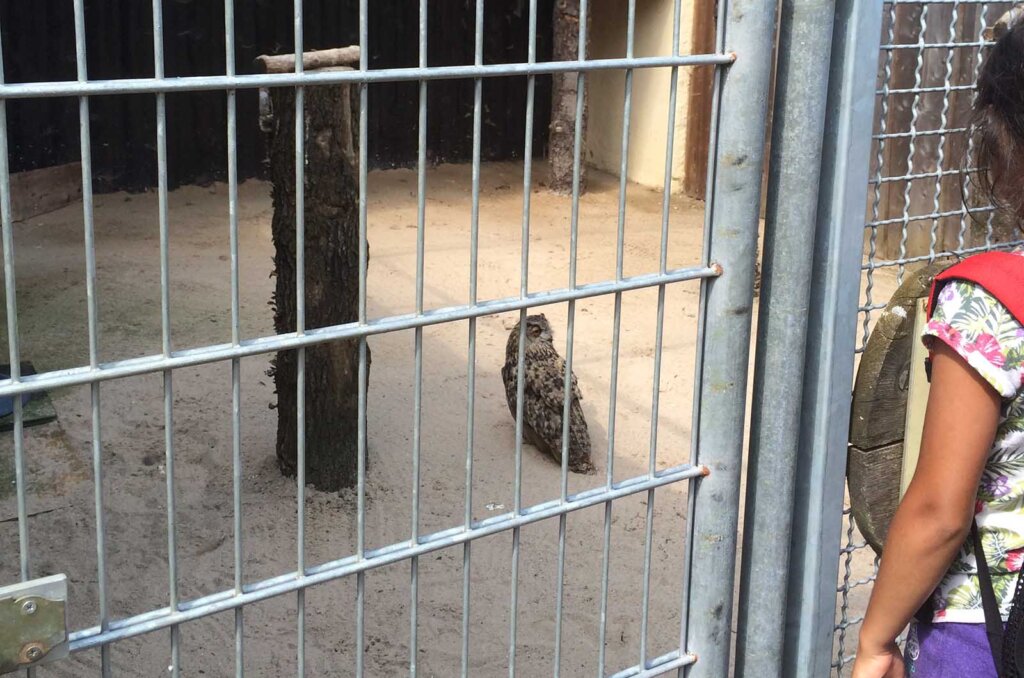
[
  {"x": 289, "y": 583},
  {"x": 577, "y": 153},
  {"x": 35, "y": 90},
  {"x": 236, "y": 366},
  {"x": 792, "y": 205},
  {"x": 725, "y": 276},
  {"x": 417, "y": 407},
  {"x": 474, "y": 257},
  {"x": 828, "y": 366},
  {"x": 364, "y": 64},
  {"x": 732, "y": 210}
]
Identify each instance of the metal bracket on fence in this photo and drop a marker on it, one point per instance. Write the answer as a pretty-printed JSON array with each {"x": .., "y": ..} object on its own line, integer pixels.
[{"x": 33, "y": 623}]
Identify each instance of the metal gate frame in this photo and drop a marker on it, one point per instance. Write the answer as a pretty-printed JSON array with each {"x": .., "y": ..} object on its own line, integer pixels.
[
  {"x": 745, "y": 38},
  {"x": 803, "y": 382},
  {"x": 821, "y": 136}
]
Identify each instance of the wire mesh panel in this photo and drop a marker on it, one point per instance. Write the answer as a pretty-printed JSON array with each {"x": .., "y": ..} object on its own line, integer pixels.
[
  {"x": 920, "y": 206},
  {"x": 722, "y": 266}
]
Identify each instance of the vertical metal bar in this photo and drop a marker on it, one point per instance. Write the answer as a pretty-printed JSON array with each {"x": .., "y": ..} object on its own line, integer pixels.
[
  {"x": 828, "y": 367},
  {"x": 13, "y": 342},
  {"x": 801, "y": 87},
  {"x": 165, "y": 327},
  {"x": 603, "y": 615},
  {"x": 300, "y": 328},
  {"x": 474, "y": 247},
  {"x": 652, "y": 459},
  {"x": 236, "y": 367},
  {"x": 577, "y": 150},
  {"x": 613, "y": 387},
  {"x": 912, "y": 145},
  {"x": 698, "y": 368},
  {"x": 20, "y": 479},
  {"x": 620, "y": 240},
  {"x": 94, "y": 394},
  {"x": 531, "y": 82},
  {"x": 981, "y": 32},
  {"x": 940, "y": 154},
  {"x": 979, "y": 59},
  {"x": 364, "y": 46},
  {"x": 879, "y": 161},
  {"x": 734, "y": 206},
  {"x": 421, "y": 207}
]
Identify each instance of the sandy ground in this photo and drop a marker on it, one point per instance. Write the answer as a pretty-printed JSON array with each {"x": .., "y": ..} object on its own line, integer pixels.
[{"x": 52, "y": 317}]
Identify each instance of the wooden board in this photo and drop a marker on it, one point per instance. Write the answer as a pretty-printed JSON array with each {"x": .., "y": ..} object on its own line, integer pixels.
[
  {"x": 917, "y": 400},
  {"x": 879, "y": 413}
]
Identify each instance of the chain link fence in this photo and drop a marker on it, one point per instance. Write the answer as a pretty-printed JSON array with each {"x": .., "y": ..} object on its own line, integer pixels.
[{"x": 919, "y": 205}]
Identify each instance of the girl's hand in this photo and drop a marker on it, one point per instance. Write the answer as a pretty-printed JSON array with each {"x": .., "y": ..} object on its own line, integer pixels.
[{"x": 885, "y": 662}]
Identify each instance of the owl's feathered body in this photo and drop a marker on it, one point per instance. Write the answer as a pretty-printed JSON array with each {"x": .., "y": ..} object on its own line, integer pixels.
[{"x": 544, "y": 393}]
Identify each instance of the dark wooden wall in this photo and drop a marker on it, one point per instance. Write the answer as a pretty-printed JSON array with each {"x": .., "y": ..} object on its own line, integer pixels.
[{"x": 39, "y": 45}]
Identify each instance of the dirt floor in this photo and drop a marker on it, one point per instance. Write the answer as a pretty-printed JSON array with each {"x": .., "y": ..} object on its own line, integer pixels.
[{"x": 52, "y": 320}]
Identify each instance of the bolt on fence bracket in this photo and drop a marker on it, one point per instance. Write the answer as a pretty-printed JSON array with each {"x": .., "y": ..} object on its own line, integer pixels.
[{"x": 33, "y": 623}]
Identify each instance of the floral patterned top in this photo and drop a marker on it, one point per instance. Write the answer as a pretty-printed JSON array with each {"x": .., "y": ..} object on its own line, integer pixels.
[{"x": 982, "y": 331}]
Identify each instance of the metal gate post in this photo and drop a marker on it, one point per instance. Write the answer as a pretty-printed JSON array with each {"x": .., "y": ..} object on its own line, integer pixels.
[
  {"x": 805, "y": 45},
  {"x": 733, "y": 211},
  {"x": 828, "y": 372}
]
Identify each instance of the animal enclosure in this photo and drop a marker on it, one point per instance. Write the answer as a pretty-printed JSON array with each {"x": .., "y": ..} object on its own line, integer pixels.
[
  {"x": 156, "y": 497},
  {"x": 460, "y": 549}
]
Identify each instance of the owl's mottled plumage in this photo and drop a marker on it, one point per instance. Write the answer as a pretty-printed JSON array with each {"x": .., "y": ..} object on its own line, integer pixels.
[{"x": 544, "y": 393}]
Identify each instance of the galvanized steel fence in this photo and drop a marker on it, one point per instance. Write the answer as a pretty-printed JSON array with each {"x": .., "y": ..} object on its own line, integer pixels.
[
  {"x": 870, "y": 100},
  {"x": 744, "y": 40},
  {"x": 928, "y": 63}
]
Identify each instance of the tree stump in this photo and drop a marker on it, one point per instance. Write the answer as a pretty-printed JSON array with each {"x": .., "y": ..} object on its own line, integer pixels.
[
  {"x": 561, "y": 140},
  {"x": 331, "y": 279}
]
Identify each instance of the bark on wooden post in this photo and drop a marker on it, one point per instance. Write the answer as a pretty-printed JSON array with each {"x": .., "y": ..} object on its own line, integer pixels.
[
  {"x": 331, "y": 277},
  {"x": 566, "y": 47}
]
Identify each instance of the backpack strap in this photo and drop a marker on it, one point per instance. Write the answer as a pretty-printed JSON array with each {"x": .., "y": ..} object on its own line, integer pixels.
[
  {"x": 1001, "y": 274},
  {"x": 993, "y": 619}
]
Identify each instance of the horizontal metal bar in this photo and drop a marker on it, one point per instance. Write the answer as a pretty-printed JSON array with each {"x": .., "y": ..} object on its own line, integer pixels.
[
  {"x": 924, "y": 175},
  {"x": 926, "y": 90},
  {"x": 658, "y": 666},
  {"x": 926, "y": 217},
  {"x": 871, "y": 266},
  {"x": 227, "y": 82},
  {"x": 284, "y": 342},
  {"x": 915, "y": 133},
  {"x": 849, "y": 623},
  {"x": 393, "y": 553},
  {"x": 934, "y": 45},
  {"x": 940, "y": 2}
]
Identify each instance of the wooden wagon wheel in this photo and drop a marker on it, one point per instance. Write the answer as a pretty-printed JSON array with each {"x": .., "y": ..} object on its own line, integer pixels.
[{"x": 878, "y": 421}]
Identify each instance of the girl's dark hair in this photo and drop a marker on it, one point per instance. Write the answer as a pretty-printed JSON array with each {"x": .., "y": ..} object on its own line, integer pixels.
[{"x": 997, "y": 127}]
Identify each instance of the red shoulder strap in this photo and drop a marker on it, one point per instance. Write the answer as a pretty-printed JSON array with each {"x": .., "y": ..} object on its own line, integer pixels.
[{"x": 1000, "y": 273}]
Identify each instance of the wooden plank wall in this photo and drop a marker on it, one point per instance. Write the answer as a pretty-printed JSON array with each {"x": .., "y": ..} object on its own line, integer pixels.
[
  {"x": 38, "y": 43},
  {"x": 907, "y": 155}
]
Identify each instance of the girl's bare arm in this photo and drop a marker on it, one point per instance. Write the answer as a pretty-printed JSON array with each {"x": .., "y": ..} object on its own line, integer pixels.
[{"x": 935, "y": 515}]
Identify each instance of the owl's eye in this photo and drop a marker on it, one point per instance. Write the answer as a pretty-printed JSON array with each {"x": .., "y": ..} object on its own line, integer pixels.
[{"x": 534, "y": 330}]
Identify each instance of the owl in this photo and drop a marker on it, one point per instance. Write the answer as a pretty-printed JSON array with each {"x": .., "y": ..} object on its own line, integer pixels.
[{"x": 543, "y": 395}]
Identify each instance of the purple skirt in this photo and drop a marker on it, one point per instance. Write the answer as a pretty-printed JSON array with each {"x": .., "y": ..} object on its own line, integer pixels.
[{"x": 949, "y": 650}]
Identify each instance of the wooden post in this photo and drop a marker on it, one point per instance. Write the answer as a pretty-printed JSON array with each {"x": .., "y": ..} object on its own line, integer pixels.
[
  {"x": 561, "y": 140},
  {"x": 331, "y": 277},
  {"x": 698, "y": 116}
]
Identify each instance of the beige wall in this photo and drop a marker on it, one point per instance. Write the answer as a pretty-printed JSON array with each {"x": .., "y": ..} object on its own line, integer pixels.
[{"x": 649, "y": 118}]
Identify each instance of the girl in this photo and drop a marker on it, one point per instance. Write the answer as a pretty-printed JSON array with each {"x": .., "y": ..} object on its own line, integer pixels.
[{"x": 971, "y": 466}]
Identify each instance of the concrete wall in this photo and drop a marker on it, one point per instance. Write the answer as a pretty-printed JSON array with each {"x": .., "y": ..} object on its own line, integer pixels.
[{"x": 649, "y": 118}]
